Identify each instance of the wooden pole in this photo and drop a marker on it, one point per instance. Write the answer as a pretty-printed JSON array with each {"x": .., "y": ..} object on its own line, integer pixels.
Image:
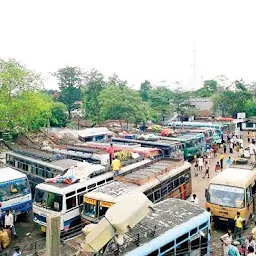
[{"x": 53, "y": 235}]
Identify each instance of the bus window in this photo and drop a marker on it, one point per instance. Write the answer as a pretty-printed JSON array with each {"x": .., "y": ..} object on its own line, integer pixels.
[
  {"x": 182, "y": 179},
  {"x": 80, "y": 199},
  {"x": 71, "y": 202},
  {"x": 157, "y": 195},
  {"x": 182, "y": 249},
  {"x": 170, "y": 186},
  {"x": 90, "y": 187},
  {"x": 195, "y": 244},
  {"x": 90, "y": 210},
  {"x": 249, "y": 194},
  {"x": 167, "y": 247},
  {"x": 154, "y": 253},
  {"x": 151, "y": 197},
  {"x": 176, "y": 183},
  {"x": 193, "y": 231},
  {"x": 100, "y": 182},
  {"x": 81, "y": 190},
  {"x": 204, "y": 241},
  {"x": 187, "y": 176}
]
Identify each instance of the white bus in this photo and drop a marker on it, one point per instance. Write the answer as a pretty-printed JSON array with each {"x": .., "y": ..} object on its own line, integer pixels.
[
  {"x": 67, "y": 199},
  {"x": 15, "y": 192}
]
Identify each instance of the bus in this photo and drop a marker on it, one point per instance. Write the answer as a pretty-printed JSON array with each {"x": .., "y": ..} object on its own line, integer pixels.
[
  {"x": 158, "y": 180},
  {"x": 175, "y": 227},
  {"x": 220, "y": 128},
  {"x": 37, "y": 170},
  {"x": 233, "y": 191},
  {"x": 171, "y": 149},
  {"x": 193, "y": 144},
  {"x": 15, "y": 192},
  {"x": 67, "y": 200}
]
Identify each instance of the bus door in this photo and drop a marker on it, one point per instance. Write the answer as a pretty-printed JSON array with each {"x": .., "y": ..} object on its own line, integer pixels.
[{"x": 249, "y": 202}]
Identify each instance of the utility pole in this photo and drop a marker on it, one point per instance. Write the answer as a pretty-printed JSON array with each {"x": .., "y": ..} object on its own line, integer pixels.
[{"x": 194, "y": 66}]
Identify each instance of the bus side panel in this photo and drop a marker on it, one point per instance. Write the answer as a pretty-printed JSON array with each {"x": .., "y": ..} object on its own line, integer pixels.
[{"x": 188, "y": 189}]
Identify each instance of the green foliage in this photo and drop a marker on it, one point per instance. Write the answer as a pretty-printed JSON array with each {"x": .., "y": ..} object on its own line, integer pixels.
[
  {"x": 209, "y": 88},
  {"x": 159, "y": 100},
  {"x": 123, "y": 104},
  {"x": 250, "y": 108},
  {"x": 94, "y": 86},
  {"x": 145, "y": 88},
  {"x": 16, "y": 78},
  {"x": 228, "y": 102},
  {"x": 59, "y": 116},
  {"x": 71, "y": 79}
]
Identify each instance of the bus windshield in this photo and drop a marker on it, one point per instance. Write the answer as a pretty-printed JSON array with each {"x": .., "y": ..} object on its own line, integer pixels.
[
  {"x": 13, "y": 189},
  {"x": 192, "y": 143},
  {"x": 226, "y": 196},
  {"x": 89, "y": 210},
  {"x": 48, "y": 200}
]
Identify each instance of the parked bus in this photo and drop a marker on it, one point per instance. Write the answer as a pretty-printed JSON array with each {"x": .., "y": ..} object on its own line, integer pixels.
[
  {"x": 220, "y": 128},
  {"x": 158, "y": 180},
  {"x": 15, "y": 193},
  {"x": 37, "y": 170},
  {"x": 193, "y": 144},
  {"x": 175, "y": 227},
  {"x": 232, "y": 191},
  {"x": 171, "y": 149},
  {"x": 67, "y": 199}
]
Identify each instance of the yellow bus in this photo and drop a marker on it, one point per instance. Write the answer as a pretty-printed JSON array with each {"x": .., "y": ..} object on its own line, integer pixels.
[
  {"x": 232, "y": 191},
  {"x": 161, "y": 179}
]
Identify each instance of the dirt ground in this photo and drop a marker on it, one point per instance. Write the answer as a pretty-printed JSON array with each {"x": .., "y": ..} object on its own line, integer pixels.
[{"x": 199, "y": 185}]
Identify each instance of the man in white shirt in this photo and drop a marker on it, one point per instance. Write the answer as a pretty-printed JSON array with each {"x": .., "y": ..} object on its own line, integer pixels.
[
  {"x": 9, "y": 223},
  {"x": 194, "y": 199}
]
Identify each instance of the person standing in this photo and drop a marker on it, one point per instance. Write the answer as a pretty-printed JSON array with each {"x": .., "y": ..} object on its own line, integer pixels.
[
  {"x": 200, "y": 163},
  {"x": 228, "y": 162},
  {"x": 238, "y": 226},
  {"x": 252, "y": 151},
  {"x": 111, "y": 152},
  {"x": 221, "y": 161},
  {"x": 116, "y": 166},
  {"x": 226, "y": 242},
  {"x": 9, "y": 223},
  {"x": 194, "y": 199},
  {"x": 224, "y": 148},
  {"x": 217, "y": 167}
]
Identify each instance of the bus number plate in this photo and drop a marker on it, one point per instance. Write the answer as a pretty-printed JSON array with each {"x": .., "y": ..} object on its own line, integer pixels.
[{"x": 223, "y": 219}]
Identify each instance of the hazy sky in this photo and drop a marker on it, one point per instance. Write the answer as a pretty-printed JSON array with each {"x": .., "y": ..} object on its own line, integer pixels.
[{"x": 137, "y": 39}]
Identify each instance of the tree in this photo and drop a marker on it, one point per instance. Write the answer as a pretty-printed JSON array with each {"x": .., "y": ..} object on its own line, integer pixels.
[
  {"x": 250, "y": 108},
  {"x": 27, "y": 111},
  {"x": 115, "y": 80},
  {"x": 123, "y": 104},
  {"x": 181, "y": 103},
  {"x": 16, "y": 78},
  {"x": 159, "y": 100},
  {"x": 71, "y": 79},
  {"x": 95, "y": 84},
  {"x": 231, "y": 102},
  {"x": 58, "y": 114},
  {"x": 209, "y": 88},
  {"x": 145, "y": 87}
]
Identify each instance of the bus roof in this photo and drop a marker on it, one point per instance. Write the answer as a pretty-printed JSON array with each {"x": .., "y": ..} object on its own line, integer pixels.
[
  {"x": 113, "y": 191},
  {"x": 185, "y": 137},
  {"x": 234, "y": 177},
  {"x": 7, "y": 174},
  {"x": 170, "y": 219},
  {"x": 64, "y": 188},
  {"x": 57, "y": 164}
]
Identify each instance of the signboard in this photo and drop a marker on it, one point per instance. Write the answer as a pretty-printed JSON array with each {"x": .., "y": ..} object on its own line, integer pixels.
[
  {"x": 90, "y": 201},
  {"x": 105, "y": 204},
  {"x": 227, "y": 188},
  {"x": 241, "y": 115}
]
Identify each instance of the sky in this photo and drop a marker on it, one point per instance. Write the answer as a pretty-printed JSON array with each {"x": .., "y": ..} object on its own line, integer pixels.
[{"x": 136, "y": 39}]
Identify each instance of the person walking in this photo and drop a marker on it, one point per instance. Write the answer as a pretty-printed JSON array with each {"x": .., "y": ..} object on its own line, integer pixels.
[
  {"x": 17, "y": 251},
  {"x": 194, "y": 199},
  {"x": 217, "y": 167},
  {"x": 9, "y": 223},
  {"x": 196, "y": 166},
  {"x": 116, "y": 166},
  {"x": 238, "y": 226},
  {"x": 207, "y": 172},
  {"x": 200, "y": 163},
  {"x": 224, "y": 148},
  {"x": 206, "y": 161},
  {"x": 228, "y": 162},
  {"x": 221, "y": 161},
  {"x": 111, "y": 152},
  {"x": 226, "y": 242}
]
